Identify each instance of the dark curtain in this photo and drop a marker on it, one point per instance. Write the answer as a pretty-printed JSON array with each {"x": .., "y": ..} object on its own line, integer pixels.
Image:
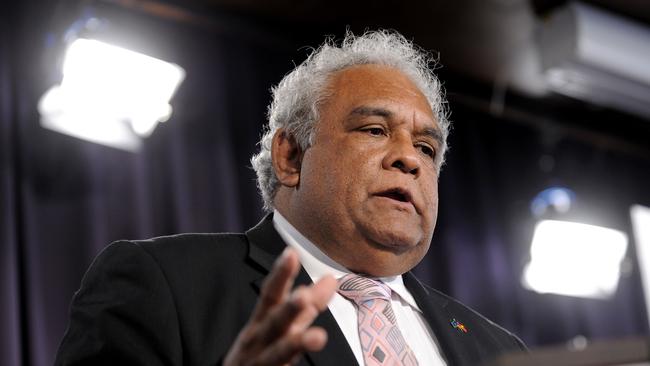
[
  {"x": 62, "y": 200},
  {"x": 11, "y": 335},
  {"x": 485, "y": 223}
]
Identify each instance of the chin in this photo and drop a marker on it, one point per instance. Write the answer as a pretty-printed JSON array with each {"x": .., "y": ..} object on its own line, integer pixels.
[
  {"x": 396, "y": 239},
  {"x": 385, "y": 264},
  {"x": 392, "y": 227},
  {"x": 389, "y": 258}
]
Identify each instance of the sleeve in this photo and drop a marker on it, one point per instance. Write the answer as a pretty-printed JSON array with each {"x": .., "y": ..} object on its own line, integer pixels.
[{"x": 123, "y": 314}]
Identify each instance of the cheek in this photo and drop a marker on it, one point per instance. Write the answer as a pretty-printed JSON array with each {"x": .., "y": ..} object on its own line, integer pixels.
[
  {"x": 334, "y": 175},
  {"x": 357, "y": 166},
  {"x": 431, "y": 199}
]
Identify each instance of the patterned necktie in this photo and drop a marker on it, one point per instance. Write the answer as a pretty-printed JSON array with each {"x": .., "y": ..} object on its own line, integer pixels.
[{"x": 381, "y": 341}]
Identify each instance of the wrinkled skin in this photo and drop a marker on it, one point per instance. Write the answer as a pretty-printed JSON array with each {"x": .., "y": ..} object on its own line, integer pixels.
[{"x": 376, "y": 135}]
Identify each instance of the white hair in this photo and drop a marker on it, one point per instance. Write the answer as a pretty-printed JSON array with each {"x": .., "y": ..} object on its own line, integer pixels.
[{"x": 298, "y": 96}]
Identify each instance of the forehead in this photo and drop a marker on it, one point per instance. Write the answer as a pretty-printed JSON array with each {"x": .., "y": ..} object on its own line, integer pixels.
[{"x": 377, "y": 86}]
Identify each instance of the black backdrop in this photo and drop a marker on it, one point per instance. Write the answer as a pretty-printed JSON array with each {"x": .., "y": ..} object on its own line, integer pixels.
[{"x": 62, "y": 200}]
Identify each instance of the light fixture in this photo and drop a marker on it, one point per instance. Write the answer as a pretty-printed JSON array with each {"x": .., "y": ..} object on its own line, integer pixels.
[
  {"x": 110, "y": 95},
  {"x": 596, "y": 56},
  {"x": 552, "y": 200},
  {"x": 641, "y": 227},
  {"x": 575, "y": 259}
]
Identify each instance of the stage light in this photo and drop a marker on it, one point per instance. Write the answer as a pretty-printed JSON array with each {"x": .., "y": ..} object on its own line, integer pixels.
[
  {"x": 559, "y": 199},
  {"x": 110, "y": 95},
  {"x": 575, "y": 259},
  {"x": 641, "y": 226}
]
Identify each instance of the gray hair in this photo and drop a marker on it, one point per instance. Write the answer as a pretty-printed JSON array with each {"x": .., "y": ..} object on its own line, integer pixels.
[{"x": 297, "y": 98}]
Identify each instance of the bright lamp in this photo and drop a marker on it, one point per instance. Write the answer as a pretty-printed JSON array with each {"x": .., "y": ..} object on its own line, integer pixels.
[
  {"x": 575, "y": 259},
  {"x": 110, "y": 95}
]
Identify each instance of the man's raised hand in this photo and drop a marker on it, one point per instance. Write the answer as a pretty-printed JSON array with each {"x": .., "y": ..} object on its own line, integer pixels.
[{"x": 279, "y": 330}]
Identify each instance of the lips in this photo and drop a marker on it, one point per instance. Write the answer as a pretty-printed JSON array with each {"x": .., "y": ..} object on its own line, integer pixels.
[{"x": 398, "y": 194}]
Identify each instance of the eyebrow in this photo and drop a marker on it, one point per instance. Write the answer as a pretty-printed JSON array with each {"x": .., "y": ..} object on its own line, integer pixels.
[
  {"x": 433, "y": 133},
  {"x": 372, "y": 111},
  {"x": 430, "y": 132}
]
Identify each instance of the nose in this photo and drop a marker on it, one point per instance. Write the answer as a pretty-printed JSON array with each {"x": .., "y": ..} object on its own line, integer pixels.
[{"x": 403, "y": 156}]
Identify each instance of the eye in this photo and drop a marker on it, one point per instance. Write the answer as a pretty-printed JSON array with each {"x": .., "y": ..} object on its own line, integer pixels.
[
  {"x": 375, "y": 131},
  {"x": 427, "y": 150}
]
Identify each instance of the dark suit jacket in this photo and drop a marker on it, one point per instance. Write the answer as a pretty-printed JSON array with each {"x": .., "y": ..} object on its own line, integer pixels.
[{"x": 182, "y": 300}]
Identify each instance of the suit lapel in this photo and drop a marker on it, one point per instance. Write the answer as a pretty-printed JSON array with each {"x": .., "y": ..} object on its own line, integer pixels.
[
  {"x": 265, "y": 245},
  {"x": 337, "y": 347},
  {"x": 454, "y": 344}
]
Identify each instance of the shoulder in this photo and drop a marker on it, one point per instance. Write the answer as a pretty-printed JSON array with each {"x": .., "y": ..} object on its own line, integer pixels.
[
  {"x": 188, "y": 240},
  {"x": 161, "y": 289},
  {"x": 177, "y": 255},
  {"x": 188, "y": 244}
]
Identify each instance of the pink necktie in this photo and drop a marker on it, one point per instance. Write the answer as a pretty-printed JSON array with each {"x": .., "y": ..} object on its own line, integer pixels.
[{"x": 381, "y": 341}]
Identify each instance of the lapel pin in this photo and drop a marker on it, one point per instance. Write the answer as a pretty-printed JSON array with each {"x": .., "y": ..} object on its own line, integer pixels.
[{"x": 458, "y": 325}]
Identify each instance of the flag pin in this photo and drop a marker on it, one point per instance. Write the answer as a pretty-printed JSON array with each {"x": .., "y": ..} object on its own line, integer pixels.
[{"x": 458, "y": 325}]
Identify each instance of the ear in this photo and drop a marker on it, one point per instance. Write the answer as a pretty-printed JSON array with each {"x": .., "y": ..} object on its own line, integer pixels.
[{"x": 287, "y": 158}]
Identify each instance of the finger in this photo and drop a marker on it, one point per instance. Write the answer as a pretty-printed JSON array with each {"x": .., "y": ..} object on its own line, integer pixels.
[
  {"x": 322, "y": 291},
  {"x": 314, "y": 339},
  {"x": 284, "y": 331},
  {"x": 303, "y": 306},
  {"x": 277, "y": 284},
  {"x": 284, "y": 316},
  {"x": 311, "y": 301},
  {"x": 289, "y": 348}
]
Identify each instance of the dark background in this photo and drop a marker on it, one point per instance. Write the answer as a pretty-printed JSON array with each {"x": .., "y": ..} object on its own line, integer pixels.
[{"x": 62, "y": 200}]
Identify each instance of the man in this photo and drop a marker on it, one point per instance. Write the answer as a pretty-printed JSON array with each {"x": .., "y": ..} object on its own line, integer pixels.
[{"x": 348, "y": 169}]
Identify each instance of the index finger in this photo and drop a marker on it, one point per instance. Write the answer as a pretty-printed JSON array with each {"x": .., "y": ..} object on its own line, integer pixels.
[{"x": 278, "y": 283}]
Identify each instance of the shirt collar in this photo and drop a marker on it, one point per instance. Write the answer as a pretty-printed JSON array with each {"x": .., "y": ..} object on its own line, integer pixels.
[{"x": 318, "y": 264}]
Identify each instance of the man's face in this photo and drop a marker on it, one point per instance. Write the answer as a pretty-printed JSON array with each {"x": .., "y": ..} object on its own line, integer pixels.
[{"x": 367, "y": 192}]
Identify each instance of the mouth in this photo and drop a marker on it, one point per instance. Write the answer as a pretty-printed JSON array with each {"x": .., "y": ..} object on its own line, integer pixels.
[{"x": 397, "y": 194}]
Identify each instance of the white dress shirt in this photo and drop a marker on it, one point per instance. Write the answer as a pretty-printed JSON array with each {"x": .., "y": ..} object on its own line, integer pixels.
[{"x": 410, "y": 320}]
